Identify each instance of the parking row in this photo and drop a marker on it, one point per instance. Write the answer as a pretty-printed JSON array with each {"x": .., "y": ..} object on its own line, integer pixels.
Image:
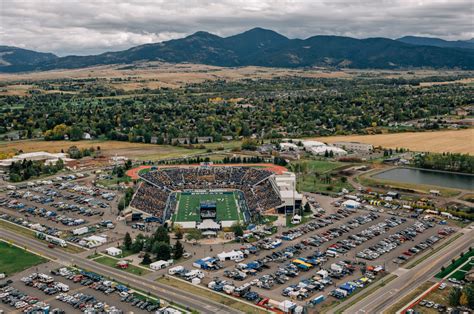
[
  {"x": 25, "y": 303},
  {"x": 108, "y": 287}
]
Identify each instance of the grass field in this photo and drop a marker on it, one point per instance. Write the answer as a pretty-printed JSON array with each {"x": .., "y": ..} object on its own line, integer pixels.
[
  {"x": 14, "y": 260},
  {"x": 189, "y": 204},
  {"x": 313, "y": 177},
  {"x": 437, "y": 141},
  {"x": 458, "y": 262},
  {"x": 112, "y": 262}
]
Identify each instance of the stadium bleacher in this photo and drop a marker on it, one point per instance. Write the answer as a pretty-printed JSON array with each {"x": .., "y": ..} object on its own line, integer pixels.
[{"x": 153, "y": 195}]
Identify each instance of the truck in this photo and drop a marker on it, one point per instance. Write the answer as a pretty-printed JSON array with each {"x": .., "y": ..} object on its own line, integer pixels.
[
  {"x": 337, "y": 268},
  {"x": 175, "y": 270},
  {"x": 318, "y": 299},
  {"x": 80, "y": 231}
]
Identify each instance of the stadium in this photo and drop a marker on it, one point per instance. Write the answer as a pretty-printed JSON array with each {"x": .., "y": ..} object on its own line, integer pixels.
[{"x": 207, "y": 197}]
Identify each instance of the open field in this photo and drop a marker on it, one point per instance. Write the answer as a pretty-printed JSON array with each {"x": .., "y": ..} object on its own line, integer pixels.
[
  {"x": 441, "y": 141},
  {"x": 14, "y": 259},
  {"x": 189, "y": 203},
  {"x": 112, "y": 262},
  {"x": 109, "y": 148},
  {"x": 217, "y": 297},
  {"x": 459, "y": 261}
]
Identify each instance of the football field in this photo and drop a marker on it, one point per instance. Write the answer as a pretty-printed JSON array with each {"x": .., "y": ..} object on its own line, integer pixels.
[{"x": 189, "y": 203}]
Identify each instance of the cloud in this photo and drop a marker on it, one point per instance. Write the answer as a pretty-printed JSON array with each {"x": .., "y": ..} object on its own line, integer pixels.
[{"x": 94, "y": 26}]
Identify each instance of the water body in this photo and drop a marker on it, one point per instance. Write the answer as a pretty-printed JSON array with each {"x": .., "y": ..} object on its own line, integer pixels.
[{"x": 430, "y": 177}]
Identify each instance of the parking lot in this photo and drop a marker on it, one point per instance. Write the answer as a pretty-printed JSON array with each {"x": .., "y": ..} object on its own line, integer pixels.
[
  {"x": 74, "y": 293},
  {"x": 341, "y": 249},
  {"x": 59, "y": 206}
]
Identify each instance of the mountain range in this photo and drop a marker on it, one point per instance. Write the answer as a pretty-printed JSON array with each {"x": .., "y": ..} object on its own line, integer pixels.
[{"x": 262, "y": 47}]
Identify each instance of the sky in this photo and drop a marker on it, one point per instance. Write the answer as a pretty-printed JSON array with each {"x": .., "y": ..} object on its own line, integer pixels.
[{"x": 85, "y": 27}]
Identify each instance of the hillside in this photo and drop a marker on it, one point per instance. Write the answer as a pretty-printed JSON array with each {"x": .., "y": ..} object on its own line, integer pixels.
[
  {"x": 262, "y": 48},
  {"x": 437, "y": 42}
]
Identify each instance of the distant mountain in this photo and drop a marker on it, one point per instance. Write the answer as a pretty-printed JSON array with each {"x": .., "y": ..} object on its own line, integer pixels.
[
  {"x": 437, "y": 42},
  {"x": 18, "y": 59},
  {"x": 261, "y": 47}
]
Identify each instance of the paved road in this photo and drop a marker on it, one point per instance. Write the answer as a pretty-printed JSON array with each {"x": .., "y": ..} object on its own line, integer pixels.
[
  {"x": 409, "y": 280},
  {"x": 169, "y": 293}
]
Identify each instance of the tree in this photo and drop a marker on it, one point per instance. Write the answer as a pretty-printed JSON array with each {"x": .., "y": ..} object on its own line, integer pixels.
[
  {"x": 194, "y": 234},
  {"x": 469, "y": 291},
  {"x": 249, "y": 144},
  {"x": 178, "y": 231},
  {"x": 121, "y": 204},
  {"x": 137, "y": 245},
  {"x": 161, "y": 235},
  {"x": 162, "y": 251},
  {"x": 307, "y": 208},
  {"x": 127, "y": 241},
  {"x": 178, "y": 250},
  {"x": 75, "y": 133},
  {"x": 238, "y": 230},
  {"x": 454, "y": 296},
  {"x": 146, "y": 259},
  {"x": 463, "y": 300}
]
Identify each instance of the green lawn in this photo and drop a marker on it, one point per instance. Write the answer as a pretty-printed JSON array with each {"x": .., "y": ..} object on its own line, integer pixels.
[
  {"x": 14, "y": 259},
  {"x": 112, "y": 262},
  {"x": 189, "y": 203},
  {"x": 318, "y": 176},
  {"x": 456, "y": 264}
]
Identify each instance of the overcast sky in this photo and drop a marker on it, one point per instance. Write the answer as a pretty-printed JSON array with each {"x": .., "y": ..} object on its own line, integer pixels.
[{"x": 93, "y": 26}]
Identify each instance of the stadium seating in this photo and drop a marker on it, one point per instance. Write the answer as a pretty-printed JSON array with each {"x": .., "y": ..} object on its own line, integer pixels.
[{"x": 153, "y": 195}]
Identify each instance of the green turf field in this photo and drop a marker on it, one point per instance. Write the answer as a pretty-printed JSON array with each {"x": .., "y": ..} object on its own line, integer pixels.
[
  {"x": 13, "y": 259},
  {"x": 188, "y": 205}
]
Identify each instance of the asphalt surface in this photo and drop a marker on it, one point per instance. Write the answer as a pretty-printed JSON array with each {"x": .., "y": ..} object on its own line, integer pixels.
[
  {"x": 160, "y": 290},
  {"x": 409, "y": 279}
]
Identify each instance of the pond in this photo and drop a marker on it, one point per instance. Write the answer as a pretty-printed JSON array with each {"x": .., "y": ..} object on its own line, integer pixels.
[{"x": 430, "y": 177}]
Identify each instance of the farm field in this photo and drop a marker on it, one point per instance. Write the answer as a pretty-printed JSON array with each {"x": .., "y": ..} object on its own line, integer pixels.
[
  {"x": 188, "y": 207},
  {"x": 13, "y": 259},
  {"x": 109, "y": 148},
  {"x": 439, "y": 141}
]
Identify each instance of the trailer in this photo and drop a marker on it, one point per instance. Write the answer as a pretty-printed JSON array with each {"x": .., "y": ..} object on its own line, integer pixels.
[{"x": 318, "y": 300}]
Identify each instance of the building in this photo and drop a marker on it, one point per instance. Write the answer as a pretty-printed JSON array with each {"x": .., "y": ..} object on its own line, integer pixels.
[
  {"x": 159, "y": 265},
  {"x": 45, "y": 157},
  {"x": 113, "y": 251},
  {"x": 351, "y": 204},
  {"x": 230, "y": 256},
  {"x": 355, "y": 146},
  {"x": 204, "y": 139},
  {"x": 93, "y": 241},
  {"x": 181, "y": 140},
  {"x": 321, "y": 150},
  {"x": 288, "y": 147},
  {"x": 310, "y": 144},
  {"x": 286, "y": 186}
]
